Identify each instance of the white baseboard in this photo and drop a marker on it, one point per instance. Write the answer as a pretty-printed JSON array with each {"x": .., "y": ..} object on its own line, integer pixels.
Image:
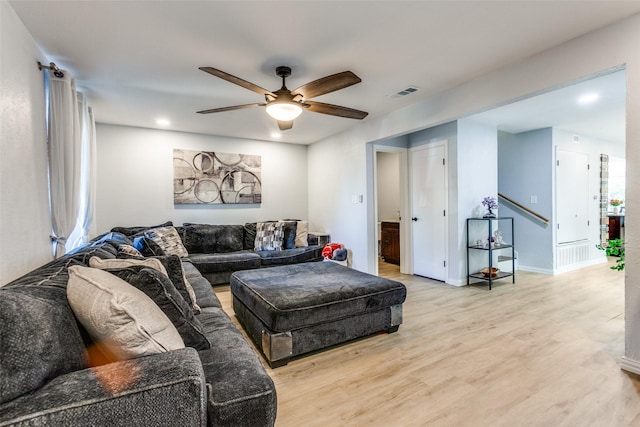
[
  {"x": 456, "y": 282},
  {"x": 565, "y": 269},
  {"x": 536, "y": 269},
  {"x": 630, "y": 365}
]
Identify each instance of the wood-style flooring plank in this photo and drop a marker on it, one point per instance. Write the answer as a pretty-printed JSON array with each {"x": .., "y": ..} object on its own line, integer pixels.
[{"x": 543, "y": 351}]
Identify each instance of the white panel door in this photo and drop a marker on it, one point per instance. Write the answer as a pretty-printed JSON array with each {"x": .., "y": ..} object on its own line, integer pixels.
[
  {"x": 572, "y": 196},
  {"x": 429, "y": 205}
]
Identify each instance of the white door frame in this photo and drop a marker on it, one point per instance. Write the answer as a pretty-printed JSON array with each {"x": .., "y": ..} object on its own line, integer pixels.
[{"x": 405, "y": 230}]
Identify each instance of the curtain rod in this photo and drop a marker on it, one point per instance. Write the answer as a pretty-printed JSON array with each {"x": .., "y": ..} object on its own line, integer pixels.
[{"x": 53, "y": 67}]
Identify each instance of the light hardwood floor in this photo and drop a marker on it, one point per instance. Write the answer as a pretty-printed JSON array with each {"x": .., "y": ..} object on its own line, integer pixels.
[{"x": 541, "y": 352}]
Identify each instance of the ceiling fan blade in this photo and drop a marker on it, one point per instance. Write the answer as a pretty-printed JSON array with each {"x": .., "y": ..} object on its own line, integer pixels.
[
  {"x": 327, "y": 84},
  {"x": 285, "y": 125},
  {"x": 336, "y": 110},
  {"x": 234, "y": 107},
  {"x": 236, "y": 80}
]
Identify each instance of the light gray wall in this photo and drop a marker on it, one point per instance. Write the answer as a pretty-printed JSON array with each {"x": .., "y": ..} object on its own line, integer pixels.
[
  {"x": 25, "y": 225},
  {"x": 388, "y": 170},
  {"x": 563, "y": 139},
  {"x": 135, "y": 178},
  {"x": 525, "y": 169},
  {"x": 578, "y": 58}
]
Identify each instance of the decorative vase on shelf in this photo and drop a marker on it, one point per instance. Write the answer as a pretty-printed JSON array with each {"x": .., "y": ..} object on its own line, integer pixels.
[{"x": 616, "y": 210}]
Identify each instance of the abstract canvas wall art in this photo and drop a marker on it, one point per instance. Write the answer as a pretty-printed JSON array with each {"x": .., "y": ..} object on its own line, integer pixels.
[{"x": 208, "y": 177}]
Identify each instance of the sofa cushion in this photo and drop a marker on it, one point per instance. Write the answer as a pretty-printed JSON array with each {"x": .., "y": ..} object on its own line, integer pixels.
[
  {"x": 242, "y": 393},
  {"x": 290, "y": 256},
  {"x": 167, "y": 389},
  {"x": 213, "y": 239},
  {"x": 39, "y": 338},
  {"x": 160, "y": 289},
  {"x": 168, "y": 239},
  {"x": 232, "y": 261},
  {"x": 131, "y": 231},
  {"x": 249, "y": 236},
  {"x": 201, "y": 286},
  {"x": 269, "y": 236},
  {"x": 113, "y": 311}
]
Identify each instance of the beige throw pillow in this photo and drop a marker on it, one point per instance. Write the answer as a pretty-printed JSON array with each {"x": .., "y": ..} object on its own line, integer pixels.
[
  {"x": 302, "y": 234},
  {"x": 114, "y": 312}
]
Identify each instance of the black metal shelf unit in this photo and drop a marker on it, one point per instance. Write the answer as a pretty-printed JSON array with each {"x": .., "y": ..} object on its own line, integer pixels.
[{"x": 490, "y": 243}]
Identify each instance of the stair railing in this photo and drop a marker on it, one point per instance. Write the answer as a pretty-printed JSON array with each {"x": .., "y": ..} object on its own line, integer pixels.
[{"x": 539, "y": 217}]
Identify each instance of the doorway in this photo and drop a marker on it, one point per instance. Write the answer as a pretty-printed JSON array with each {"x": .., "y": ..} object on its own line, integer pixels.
[
  {"x": 389, "y": 201},
  {"x": 388, "y": 209}
]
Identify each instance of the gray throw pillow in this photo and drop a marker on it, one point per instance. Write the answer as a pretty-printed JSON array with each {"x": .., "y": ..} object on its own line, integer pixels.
[
  {"x": 168, "y": 239},
  {"x": 131, "y": 231},
  {"x": 289, "y": 228},
  {"x": 269, "y": 236},
  {"x": 175, "y": 271},
  {"x": 161, "y": 290}
]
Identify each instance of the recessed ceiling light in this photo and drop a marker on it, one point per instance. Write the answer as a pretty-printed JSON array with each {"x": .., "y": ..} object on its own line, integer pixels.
[
  {"x": 276, "y": 135},
  {"x": 588, "y": 98},
  {"x": 163, "y": 122}
]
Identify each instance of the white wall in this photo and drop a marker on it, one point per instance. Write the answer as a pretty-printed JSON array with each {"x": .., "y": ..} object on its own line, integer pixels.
[
  {"x": 388, "y": 171},
  {"x": 579, "y": 58},
  {"x": 477, "y": 166},
  {"x": 135, "y": 178},
  {"x": 24, "y": 204},
  {"x": 337, "y": 172}
]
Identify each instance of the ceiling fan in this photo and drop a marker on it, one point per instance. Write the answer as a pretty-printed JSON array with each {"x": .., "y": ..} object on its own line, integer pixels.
[{"x": 285, "y": 105}]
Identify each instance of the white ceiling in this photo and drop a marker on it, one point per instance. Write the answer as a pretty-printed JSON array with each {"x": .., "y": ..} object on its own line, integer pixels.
[
  {"x": 138, "y": 60},
  {"x": 603, "y": 119}
]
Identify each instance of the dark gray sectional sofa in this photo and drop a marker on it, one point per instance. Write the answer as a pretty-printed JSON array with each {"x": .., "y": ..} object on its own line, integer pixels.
[
  {"x": 46, "y": 379},
  {"x": 219, "y": 250}
]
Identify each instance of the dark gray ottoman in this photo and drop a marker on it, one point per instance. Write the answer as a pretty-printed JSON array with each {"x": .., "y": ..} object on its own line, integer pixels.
[{"x": 295, "y": 309}]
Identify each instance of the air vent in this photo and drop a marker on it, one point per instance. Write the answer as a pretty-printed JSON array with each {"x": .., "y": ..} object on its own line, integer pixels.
[{"x": 404, "y": 92}]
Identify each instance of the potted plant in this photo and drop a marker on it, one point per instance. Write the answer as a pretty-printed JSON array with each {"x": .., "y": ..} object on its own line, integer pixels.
[
  {"x": 616, "y": 204},
  {"x": 491, "y": 204},
  {"x": 614, "y": 247}
]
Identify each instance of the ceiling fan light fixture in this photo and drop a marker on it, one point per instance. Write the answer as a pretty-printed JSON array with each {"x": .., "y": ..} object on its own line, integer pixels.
[{"x": 284, "y": 111}]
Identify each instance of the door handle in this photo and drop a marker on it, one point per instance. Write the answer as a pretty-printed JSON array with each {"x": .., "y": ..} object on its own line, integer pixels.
[{"x": 414, "y": 219}]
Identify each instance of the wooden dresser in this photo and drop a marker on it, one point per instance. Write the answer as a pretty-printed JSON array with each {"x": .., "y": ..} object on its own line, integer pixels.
[{"x": 390, "y": 242}]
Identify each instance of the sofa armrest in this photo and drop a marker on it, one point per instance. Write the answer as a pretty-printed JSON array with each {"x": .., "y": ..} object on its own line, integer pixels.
[{"x": 159, "y": 390}]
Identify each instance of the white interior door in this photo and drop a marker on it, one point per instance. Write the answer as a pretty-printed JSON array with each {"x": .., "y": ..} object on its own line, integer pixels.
[
  {"x": 429, "y": 209},
  {"x": 572, "y": 196}
]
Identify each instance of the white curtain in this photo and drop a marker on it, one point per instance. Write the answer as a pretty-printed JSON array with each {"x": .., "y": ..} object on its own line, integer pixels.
[{"x": 71, "y": 141}]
